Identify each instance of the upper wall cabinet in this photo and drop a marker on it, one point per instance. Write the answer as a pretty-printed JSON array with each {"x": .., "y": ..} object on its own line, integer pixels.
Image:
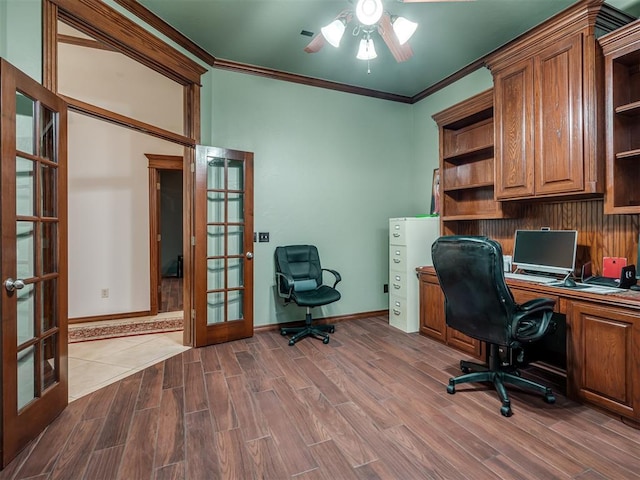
[
  {"x": 622, "y": 110},
  {"x": 548, "y": 87}
]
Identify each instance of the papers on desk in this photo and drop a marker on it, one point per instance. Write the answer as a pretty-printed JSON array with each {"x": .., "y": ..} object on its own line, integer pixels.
[{"x": 587, "y": 287}]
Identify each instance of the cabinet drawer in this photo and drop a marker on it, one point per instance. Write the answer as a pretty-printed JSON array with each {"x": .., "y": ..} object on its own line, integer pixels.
[
  {"x": 397, "y": 257},
  {"x": 397, "y": 232},
  {"x": 397, "y": 312},
  {"x": 397, "y": 283}
]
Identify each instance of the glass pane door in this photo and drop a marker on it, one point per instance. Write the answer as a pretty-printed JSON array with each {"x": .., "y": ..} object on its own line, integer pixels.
[
  {"x": 34, "y": 334},
  {"x": 223, "y": 258}
]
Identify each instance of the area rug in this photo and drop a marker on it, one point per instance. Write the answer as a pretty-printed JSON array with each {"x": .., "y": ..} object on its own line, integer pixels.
[{"x": 101, "y": 330}]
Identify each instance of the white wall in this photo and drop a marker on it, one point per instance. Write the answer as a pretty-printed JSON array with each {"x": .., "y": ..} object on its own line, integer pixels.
[
  {"x": 330, "y": 169},
  {"x": 118, "y": 83},
  {"x": 109, "y": 216}
]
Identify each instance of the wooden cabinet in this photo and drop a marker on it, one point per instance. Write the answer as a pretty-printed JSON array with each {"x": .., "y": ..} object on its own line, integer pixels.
[
  {"x": 604, "y": 357},
  {"x": 432, "y": 317},
  {"x": 548, "y": 107},
  {"x": 466, "y": 160},
  {"x": 622, "y": 109}
]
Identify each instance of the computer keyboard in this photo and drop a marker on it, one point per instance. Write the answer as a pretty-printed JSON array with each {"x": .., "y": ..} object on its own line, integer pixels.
[{"x": 531, "y": 278}]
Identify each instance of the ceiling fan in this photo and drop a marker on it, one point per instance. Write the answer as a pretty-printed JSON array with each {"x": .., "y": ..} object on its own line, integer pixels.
[{"x": 371, "y": 17}]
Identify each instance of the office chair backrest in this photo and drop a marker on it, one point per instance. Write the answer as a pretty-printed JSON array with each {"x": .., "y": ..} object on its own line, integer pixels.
[
  {"x": 300, "y": 262},
  {"x": 478, "y": 301}
]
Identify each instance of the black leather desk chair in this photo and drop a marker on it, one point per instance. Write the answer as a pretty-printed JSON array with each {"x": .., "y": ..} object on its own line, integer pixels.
[
  {"x": 480, "y": 305},
  {"x": 299, "y": 279}
]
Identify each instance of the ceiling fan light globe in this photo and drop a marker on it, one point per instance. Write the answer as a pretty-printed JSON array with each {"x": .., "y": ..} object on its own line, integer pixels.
[
  {"x": 369, "y": 12},
  {"x": 366, "y": 51},
  {"x": 404, "y": 29},
  {"x": 333, "y": 32}
]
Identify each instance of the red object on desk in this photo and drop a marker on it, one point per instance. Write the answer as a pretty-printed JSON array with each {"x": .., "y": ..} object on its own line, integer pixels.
[{"x": 612, "y": 266}]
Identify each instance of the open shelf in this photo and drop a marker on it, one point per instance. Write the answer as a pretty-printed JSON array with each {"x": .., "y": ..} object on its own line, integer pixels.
[
  {"x": 628, "y": 154},
  {"x": 467, "y": 176},
  {"x": 630, "y": 109},
  {"x": 621, "y": 50},
  {"x": 470, "y": 154}
]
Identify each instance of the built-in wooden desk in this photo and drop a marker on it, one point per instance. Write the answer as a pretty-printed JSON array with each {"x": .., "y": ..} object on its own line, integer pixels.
[{"x": 602, "y": 339}]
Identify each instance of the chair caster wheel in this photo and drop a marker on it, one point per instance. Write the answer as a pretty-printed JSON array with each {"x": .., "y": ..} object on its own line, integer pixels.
[
  {"x": 292, "y": 343},
  {"x": 549, "y": 398},
  {"x": 451, "y": 388},
  {"x": 505, "y": 410},
  {"x": 465, "y": 369},
  {"x": 283, "y": 332},
  {"x": 332, "y": 330},
  {"x": 325, "y": 340}
]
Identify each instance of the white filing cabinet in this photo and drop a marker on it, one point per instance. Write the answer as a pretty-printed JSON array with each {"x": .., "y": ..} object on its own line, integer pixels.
[{"x": 410, "y": 241}]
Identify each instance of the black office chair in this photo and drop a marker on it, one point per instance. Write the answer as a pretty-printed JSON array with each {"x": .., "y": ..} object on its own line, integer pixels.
[
  {"x": 299, "y": 279},
  {"x": 479, "y": 304}
]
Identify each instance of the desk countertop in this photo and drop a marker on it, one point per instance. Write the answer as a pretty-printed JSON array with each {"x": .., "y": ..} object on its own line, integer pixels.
[{"x": 626, "y": 299}]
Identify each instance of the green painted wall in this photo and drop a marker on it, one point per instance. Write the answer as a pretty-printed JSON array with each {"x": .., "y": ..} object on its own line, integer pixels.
[
  {"x": 330, "y": 169},
  {"x": 20, "y": 35}
]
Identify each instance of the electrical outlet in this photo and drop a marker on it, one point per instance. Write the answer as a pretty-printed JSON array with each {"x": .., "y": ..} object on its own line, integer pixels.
[
  {"x": 104, "y": 293},
  {"x": 385, "y": 288},
  {"x": 263, "y": 236}
]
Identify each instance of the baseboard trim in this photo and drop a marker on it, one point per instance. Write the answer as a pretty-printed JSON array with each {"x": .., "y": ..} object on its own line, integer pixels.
[
  {"x": 336, "y": 319},
  {"x": 111, "y": 316}
]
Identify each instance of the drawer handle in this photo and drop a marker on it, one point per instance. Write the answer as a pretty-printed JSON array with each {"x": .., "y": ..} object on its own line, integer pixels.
[
  {"x": 396, "y": 311},
  {"x": 396, "y": 235},
  {"x": 396, "y": 260},
  {"x": 396, "y": 286}
]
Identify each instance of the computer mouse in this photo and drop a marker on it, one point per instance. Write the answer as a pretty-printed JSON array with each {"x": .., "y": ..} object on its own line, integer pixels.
[{"x": 570, "y": 282}]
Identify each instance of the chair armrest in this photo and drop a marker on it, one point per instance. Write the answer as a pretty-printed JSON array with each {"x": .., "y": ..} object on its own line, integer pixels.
[
  {"x": 533, "y": 319},
  {"x": 288, "y": 281},
  {"x": 335, "y": 274}
]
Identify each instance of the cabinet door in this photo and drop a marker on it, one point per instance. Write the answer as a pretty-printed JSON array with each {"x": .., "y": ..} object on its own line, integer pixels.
[
  {"x": 514, "y": 125},
  {"x": 603, "y": 358},
  {"x": 559, "y": 159},
  {"x": 464, "y": 343},
  {"x": 432, "y": 321}
]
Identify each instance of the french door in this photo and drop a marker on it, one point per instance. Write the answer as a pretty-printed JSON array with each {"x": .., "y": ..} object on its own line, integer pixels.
[
  {"x": 223, "y": 266},
  {"x": 34, "y": 258}
]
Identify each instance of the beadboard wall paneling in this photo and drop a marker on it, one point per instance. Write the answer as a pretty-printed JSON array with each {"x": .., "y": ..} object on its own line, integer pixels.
[{"x": 599, "y": 235}]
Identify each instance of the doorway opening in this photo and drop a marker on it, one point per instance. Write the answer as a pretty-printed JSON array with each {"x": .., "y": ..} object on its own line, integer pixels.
[
  {"x": 170, "y": 245},
  {"x": 165, "y": 233}
]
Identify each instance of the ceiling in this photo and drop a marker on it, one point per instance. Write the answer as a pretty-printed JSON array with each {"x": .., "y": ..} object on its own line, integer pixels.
[{"x": 267, "y": 33}]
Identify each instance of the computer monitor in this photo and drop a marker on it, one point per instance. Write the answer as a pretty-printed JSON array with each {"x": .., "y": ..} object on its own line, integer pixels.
[{"x": 549, "y": 251}]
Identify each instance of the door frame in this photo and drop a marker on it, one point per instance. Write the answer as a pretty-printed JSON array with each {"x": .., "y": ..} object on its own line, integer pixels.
[
  {"x": 157, "y": 163},
  {"x": 110, "y": 27}
]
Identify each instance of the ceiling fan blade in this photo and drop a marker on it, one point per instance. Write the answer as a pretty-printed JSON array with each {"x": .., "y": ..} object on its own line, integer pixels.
[
  {"x": 401, "y": 53},
  {"x": 316, "y": 44}
]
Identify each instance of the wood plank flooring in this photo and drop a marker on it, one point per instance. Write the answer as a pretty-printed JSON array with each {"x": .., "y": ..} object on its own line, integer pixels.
[
  {"x": 171, "y": 298},
  {"x": 372, "y": 404}
]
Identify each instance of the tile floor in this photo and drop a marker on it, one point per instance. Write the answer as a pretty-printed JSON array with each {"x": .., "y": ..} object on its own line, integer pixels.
[{"x": 97, "y": 363}]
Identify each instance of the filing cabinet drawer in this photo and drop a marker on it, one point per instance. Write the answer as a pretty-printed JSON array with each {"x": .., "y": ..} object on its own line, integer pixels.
[
  {"x": 398, "y": 284},
  {"x": 398, "y": 312},
  {"x": 398, "y": 257},
  {"x": 397, "y": 232}
]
